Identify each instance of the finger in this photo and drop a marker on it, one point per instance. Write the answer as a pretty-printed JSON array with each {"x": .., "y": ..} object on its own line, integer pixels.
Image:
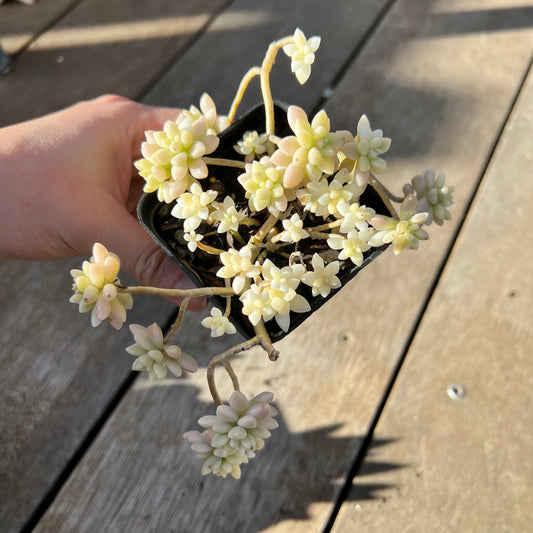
[
  {"x": 141, "y": 256},
  {"x": 134, "y": 194}
]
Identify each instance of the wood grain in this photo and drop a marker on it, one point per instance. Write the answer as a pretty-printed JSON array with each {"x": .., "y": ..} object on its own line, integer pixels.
[
  {"x": 101, "y": 47},
  {"x": 415, "y": 78},
  {"x": 57, "y": 374},
  {"x": 466, "y": 462},
  {"x": 19, "y": 23},
  {"x": 229, "y": 54}
]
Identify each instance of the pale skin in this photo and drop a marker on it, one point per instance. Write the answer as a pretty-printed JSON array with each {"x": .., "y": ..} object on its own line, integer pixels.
[{"x": 68, "y": 181}]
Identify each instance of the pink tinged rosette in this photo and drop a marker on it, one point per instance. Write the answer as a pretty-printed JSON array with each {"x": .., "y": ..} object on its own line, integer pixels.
[
  {"x": 433, "y": 196},
  {"x": 234, "y": 434},
  {"x": 95, "y": 289},
  {"x": 156, "y": 357},
  {"x": 172, "y": 158},
  {"x": 311, "y": 152}
]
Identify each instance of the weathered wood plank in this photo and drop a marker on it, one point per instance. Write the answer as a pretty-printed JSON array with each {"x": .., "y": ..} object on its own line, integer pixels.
[
  {"x": 101, "y": 47},
  {"x": 253, "y": 26},
  {"x": 19, "y": 23},
  {"x": 467, "y": 461},
  {"x": 57, "y": 375},
  {"x": 140, "y": 476}
]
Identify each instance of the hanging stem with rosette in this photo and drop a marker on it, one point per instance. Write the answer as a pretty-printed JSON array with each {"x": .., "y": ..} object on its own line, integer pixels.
[{"x": 301, "y": 222}]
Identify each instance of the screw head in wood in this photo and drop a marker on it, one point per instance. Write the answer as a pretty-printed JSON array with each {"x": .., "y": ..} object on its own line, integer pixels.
[{"x": 456, "y": 391}]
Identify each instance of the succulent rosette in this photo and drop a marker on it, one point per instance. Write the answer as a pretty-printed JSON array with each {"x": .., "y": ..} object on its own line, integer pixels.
[
  {"x": 311, "y": 152},
  {"x": 323, "y": 278},
  {"x": 153, "y": 355},
  {"x": 238, "y": 265},
  {"x": 193, "y": 206},
  {"x": 172, "y": 158},
  {"x": 302, "y": 54},
  {"x": 433, "y": 196},
  {"x": 252, "y": 145},
  {"x": 264, "y": 186},
  {"x": 95, "y": 290},
  {"x": 404, "y": 233},
  {"x": 214, "y": 122},
  {"x": 275, "y": 296},
  {"x": 234, "y": 434},
  {"x": 218, "y": 323},
  {"x": 362, "y": 152}
]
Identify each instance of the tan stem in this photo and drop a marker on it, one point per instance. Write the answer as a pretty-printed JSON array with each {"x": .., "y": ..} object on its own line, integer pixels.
[
  {"x": 266, "y": 67},
  {"x": 249, "y": 222},
  {"x": 247, "y": 78},
  {"x": 261, "y": 339},
  {"x": 234, "y": 380},
  {"x": 275, "y": 239},
  {"x": 329, "y": 225},
  {"x": 265, "y": 342},
  {"x": 221, "y": 359},
  {"x": 179, "y": 320},
  {"x": 385, "y": 195},
  {"x": 178, "y": 293},
  {"x": 209, "y": 249},
  {"x": 262, "y": 232},
  {"x": 318, "y": 234},
  {"x": 220, "y": 162},
  {"x": 227, "y": 312}
]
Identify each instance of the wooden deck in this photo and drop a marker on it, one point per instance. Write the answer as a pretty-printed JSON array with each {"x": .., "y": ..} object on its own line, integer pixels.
[{"x": 371, "y": 439}]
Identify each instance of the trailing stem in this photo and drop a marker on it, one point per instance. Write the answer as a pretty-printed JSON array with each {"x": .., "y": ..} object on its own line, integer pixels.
[
  {"x": 265, "y": 342},
  {"x": 266, "y": 67},
  {"x": 177, "y": 293},
  {"x": 252, "y": 73},
  {"x": 262, "y": 232},
  {"x": 222, "y": 359},
  {"x": 264, "y": 75},
  {"x": 228, "y": 300},
  {"x": 231, "y": 373},
  {"x": 384, "y": 194},
  {"x": 261, "y": 339},
  {"x": 221, "y": 162},
  {"x": 329, "y": 225},
  {"x": 179, "y": 320},
  {"x": 317, "y": 234},
  {"x": 209, "y": 249}
]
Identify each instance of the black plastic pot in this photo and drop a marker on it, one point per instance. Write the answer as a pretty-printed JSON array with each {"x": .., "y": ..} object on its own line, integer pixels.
[{"x": 200, "y": 266}]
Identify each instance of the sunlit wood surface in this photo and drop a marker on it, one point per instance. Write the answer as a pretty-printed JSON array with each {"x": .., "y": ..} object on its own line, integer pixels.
[{"x": 372, "y": 436}]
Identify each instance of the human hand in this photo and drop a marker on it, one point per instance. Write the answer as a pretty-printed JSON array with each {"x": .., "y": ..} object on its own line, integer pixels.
[{"x": 68, "y": 181}]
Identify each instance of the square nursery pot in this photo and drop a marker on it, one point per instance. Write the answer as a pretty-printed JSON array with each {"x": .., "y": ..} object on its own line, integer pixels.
[{"x": 201, "y": 266}]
